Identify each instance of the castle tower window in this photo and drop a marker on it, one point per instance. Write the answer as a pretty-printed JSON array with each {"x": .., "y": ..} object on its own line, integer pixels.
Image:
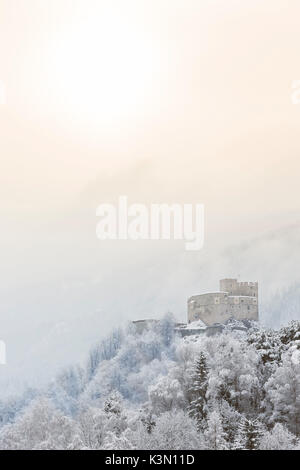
[{"x": 217, "y": 300}]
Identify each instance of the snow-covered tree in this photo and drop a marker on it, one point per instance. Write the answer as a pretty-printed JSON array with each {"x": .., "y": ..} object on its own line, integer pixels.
[
  {"x": 92, "y": 428},
  {"x": 166, "y": 394},
  {"x": 183, "y": 367},
  {"x": 279, "y": 438},
  {"x": 11, "y": 407},
  {"x": 233, "y": 372},
  {"x": 152, "y": 390},
  {"x": 41, "y": 426},
  {"x": 165, "y": 328},
  {"x": 249, "y": 434},
  {"x": 283, "y": 394},
  {"x": 198, "y": 404},
  {"x": 148, "y": 419},
  {"x": 113, "y": 404},
  {"x": 104, "y": 351},
  {"x": 290, "y": 334},
  {"x": 267, "y": 343},
  {"x": 174, "y": 430},
  {"x": 115, "y": 413},
  {"x": 121, "y": 442},
  {"x": 230, "y": 419},
  {"x": 215, "y": 434},
  {"x": 138, "y": 381}
]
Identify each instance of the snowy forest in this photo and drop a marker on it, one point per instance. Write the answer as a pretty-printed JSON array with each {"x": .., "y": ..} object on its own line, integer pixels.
[{"x": 157, "y": 390}]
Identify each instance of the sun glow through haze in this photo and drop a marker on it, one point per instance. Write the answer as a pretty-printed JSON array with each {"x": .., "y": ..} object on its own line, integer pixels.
[{"x": 102, "y": 70}]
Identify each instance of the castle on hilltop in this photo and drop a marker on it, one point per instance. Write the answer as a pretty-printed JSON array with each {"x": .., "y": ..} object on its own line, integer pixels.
[{"x": 235, "y": 299}]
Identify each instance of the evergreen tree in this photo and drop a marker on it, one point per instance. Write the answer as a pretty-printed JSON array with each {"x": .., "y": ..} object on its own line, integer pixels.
[
  {"x": 198, "y": 404},
  {"x": 268, "y": 344},
  {"x": 249, "y": 435},
  {"x": 116, "y": 417},
  {"x": 113, "y": 403},
  {"x": 290, "y": 334},
  {"x": 215, "y": 434},
  {"x": 148, "y": 421}
]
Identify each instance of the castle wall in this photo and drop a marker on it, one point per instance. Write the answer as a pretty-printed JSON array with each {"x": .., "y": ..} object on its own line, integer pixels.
[
  {"x": 217, "y": 307},
  {"x": 233, "y": 287}
]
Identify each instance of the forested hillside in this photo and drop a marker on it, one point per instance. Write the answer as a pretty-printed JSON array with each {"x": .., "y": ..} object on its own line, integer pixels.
[{"x": 236, "y": 390}]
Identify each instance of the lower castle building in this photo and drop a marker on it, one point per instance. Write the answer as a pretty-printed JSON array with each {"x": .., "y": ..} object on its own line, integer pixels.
[{"x": 234, "y": 299}]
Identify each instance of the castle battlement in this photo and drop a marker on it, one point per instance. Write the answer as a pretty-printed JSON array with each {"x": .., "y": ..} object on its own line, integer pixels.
[{"x": 235, "y": 299}]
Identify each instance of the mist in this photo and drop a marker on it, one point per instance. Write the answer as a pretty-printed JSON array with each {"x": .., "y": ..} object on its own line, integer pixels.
[{"x": 213, "y": 124}]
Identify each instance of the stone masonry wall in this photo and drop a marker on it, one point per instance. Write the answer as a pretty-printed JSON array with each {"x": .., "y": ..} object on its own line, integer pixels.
[{"x": 217, "y": 307}]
